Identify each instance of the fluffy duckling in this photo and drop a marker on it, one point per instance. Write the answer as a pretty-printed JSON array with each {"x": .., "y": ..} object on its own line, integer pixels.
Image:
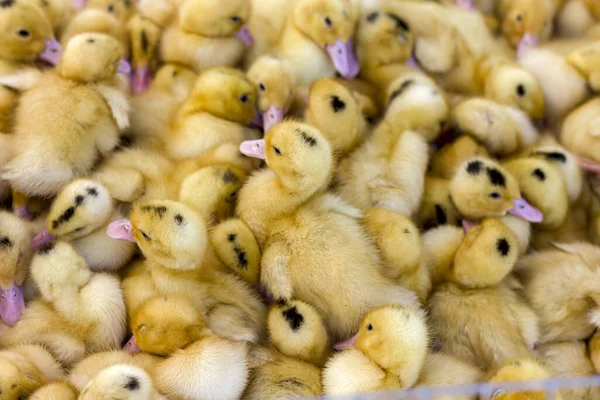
[
  {"x": 587, "y": 60},
  {"x": 60, "y": 390},
  {"x": 442, "y": 369},
  {"x": 144, "y": 36},
  {"x": 567, "y": 314},
  {"x": 577, "y": 17},
  {"x": 446, "y": 161},
  {"x": 497, "y": 323},
  {"x": 26, "y": 368},
  {"x": 58, "y": 12},
  {"x": 91, "y": 115},
  {"x": 85, "y": 307},
  {"x": 80, "y": 214},
  {"x": 207, "y": 34},
  {"x": 121, "y": 382},
  {"x": 437, "y": 207},
  {"x": 579, "y": 131},
  {"x": 526, "y": 22},
  {"x": 222, "y": 104},
  {"x": 521, "y": 369},
  {"x": 285, "y": 203},
  {"x": 391, "y": 347}
]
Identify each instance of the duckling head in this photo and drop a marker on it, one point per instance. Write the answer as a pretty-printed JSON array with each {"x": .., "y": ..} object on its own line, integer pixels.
[
  {"x": 543, "y": 187},
  {"x": 297, "y": 153},
  {"x": 526, "y": 23},
  {"x": 15, "y": 255},
  {"x": 482, "y": 188},
  {"x": 176, "y": 78},
  {"x": 520, "y": 370},
  {"x": 80, "y": 208},
  {"x": 330, "y": 24},
  {"x": 167, "y": 232},
  {"x": 566, "y": 164},
  {"x": 144, "y": 35},
  {"x": 25, "y": 32},
  {"x": 225, "y": 93},
  {"x": 383, "y": 39},
  {"x": 216, "y": 18},
  {"x": 487, "y": 254},
  {"x": 18, "y": 377},
  {"x": 274, "y": 80},
  {"x": 121, "y": 9},
  {"x": 91, "y": 57},
  {"x": 296, "y": 329},
  {"x": 333, "y": 109},
  {"x": 119, "y": 382},
  {"x": 164, "y": 324},
  {"x": 395, "y": 337},
  {"x": 515, "y": 86},
  {"x": 449, "y": 158}
]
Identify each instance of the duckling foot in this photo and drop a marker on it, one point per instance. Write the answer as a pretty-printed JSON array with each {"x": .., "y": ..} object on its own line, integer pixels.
[
  {"x": 272, "y": 116},
  {"x": 131, "y": 346},
  {"x": 41, "y": 239},
  {"x": 245, "y": 36},
  {"x": 142, "y": 79},
  {"x": 12, "y": 304},
  {"x": 24, "y": 213},
  {"x": 344, "y": 58},
  {"x": 527, "y": 42}
]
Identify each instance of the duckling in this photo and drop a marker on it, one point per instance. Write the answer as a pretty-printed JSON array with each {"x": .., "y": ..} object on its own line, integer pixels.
[
  {"x": 391, "y": 347},
  {"x": 442, "y": 369},
  {"x": 58, "y": 12},
  {"x": 586, "y": 59},
  {"x": 576, "y": 18},
  {"x": 65, "y": 150},
  {"x": 299, "y": 227},
  {"x": 222, "y": 104},
  {"x": 526, "y": 22},
  {"x": 476, "y": 283},
  {"x": 437, "y": 207},
  {"x": 80, "y": 214},
  {"x": 26, "y": 368},
  {"x": 593, "y": 347},
  {"x": 579, "y": 132},
  {"x": 144, "y": 35},
  {"x": 60, "y": 390},
  {"x": 121, "y": 382},
  {"x": 207, "y": 34},
  {"x": 446, "y": 161},
  {"x": 521, "y": 369},
  {"x": 564, "y": 316},
  {"x": 84, "y": 306}
]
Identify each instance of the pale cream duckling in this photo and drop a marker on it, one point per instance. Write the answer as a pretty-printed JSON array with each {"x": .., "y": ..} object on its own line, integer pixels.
[
  {"x": 65, "y": 149},
  {"x": 580, "y": 131},
  {"x": 286, "y": 203},
  {"x": 121, "y": 382},
  {"x": 587, "y": 60},
  {"x": 60, "y": 390},
  {"x": 496, "y": 324},
  {"x": 445, "y": 162},
  {"x": 80, "y": 214},
  {"x": 577, "y": 17},
  {"x": 517, "y": 370}
]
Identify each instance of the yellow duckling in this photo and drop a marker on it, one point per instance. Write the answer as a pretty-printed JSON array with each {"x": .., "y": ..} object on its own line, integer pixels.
[
  {"x": 85, "y": 307},
  {"x": 442, "y": 369},
  {"x": 80, "y": 214},
  {"x": 587, "y": 60},
  {"x": 391, "y": 348},
  {"x": 497, "y": 324},
  {"x": 121, "y": 382},
  {"x": 58, "y": 12},
  {"x": 24, "y": 369},
  {"x": 437, "y": 207},
  {"x": 267, "y": 21},
  {"x": 207, "y": 34},
  {"x": 222, "y": 104},
  {"x": 521, "y": 369},
  {"x": 577, "y": 17},
  {"x": 60, "y": 390},
  {"x": 579, "y": 133},
  {"x": 526, "y": 22},
  {"x": 64, "y": 141},
  {"x": 449, "y": 158},
  {"x": 299, "y": 227}
]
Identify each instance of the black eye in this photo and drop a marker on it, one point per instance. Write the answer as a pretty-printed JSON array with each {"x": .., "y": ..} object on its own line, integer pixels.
[
  {"x": 521, "y": 90},
  {"x": 24, "y": 33},
  {"x": 236, "y": 19},
  {"x": 78, "y": 229},
  {"x": 495, "y": 195},
  {"x": 146, "y": 236},
  {"x": 262, "y": 87},
  {"x": 519, "y": 17},
  {"x": 111, "y": 9},
  {"x": 370, "y": 327},
  {"x": 244, "y": 98},
  {"x": 328, "y": 22},
  {"x": 276, "y": 151},
  {"x": 232, "y": 195}
]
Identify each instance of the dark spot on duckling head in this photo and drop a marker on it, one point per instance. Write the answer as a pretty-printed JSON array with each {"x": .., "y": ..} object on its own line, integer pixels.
[
  {"x": 290, "y": 383},
  {"x": 521, "y": 90},
  {"x": 6, "y": 3},
  {"x": 145, "y": 43},
  {"x": 400, "y": 23},
  {"x": 440, "y": 215},
  {"x": 309, "y": 140},
  {"x": 503, "y": 247},
  {"x": 231, "y": 237},
  {"x": 79, "y": 200},
  {"x": 474, "y": 167},
  {"x": 91, "y": 40},
  {"x": 241, "y": 257},
  {"x": 496, "y": 177},
  {"x": 405, "y": 85},
  {"x": 160, "y": 211},
  {"x": 47, "y": 248},
  {"x": 229, "y": 176},
  {"x": 132, "y": 384},
  {"x": 65, "y": 217},
  {"x": 92, "y": 192},
  {"x": 372, "y": 17},
  {"x": 110, "y": 9},
  {"x": 539, "y": 174},
  {"x": 337, "y": 104},
  {"x": 406, "y": 230},
  {"x": 5, "y": 243},
  {"x": 179, "y": 219},
  {"x": 294, "y": 319},
  {"x": 554, "y": 156},
  {"x": 44, "y": 3}
]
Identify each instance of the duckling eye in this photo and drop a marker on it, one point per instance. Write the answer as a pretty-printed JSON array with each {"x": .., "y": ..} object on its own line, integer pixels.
[
  {"x": 276, "y": 151},
  {"x": 521, "y": 90},
  {"x": 519, "y": 17},
  {"x": 111, "y": 8},
  {"x": 146, "y": 236},
  {"x": 78, "y": 229},
  {"x": 235, "y": 19},
  {"x": 370, "y": 327},
  {"x": 232, "y": 195},
  {"x": 262, "y": 87},
  {"x": 24, "y": 33},
  {"x": 328, "y": 22},
  {"x": 495, "y": 195},
  {"x": 244, "y": 98}
]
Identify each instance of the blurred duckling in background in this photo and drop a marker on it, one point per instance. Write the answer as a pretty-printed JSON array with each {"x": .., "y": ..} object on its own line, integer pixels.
[
  {"x": 521, "y": 370},
  {"x": 587, "y": 60},
  {"x": 58, "y": 12},
  {"x": 60, "y": 390},
  {"x": 63, "y": 141},
  {"x": 121, "y": 382},
  {"x": 526, "y": 22},
  {"x": 437, "y": 207},
  {"x": 580, "y": 131},
  {"x": 80, "y": 214},
  {"x": 577, "y": 17}
]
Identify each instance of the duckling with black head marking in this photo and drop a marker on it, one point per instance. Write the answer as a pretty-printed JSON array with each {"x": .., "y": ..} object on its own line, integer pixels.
[{"x": 121, "y": 382}]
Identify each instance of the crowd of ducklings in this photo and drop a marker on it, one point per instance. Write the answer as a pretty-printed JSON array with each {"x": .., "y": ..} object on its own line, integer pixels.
[{"x": 225, "y": 199}]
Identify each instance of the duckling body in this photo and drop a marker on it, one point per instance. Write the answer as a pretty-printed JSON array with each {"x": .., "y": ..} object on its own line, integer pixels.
[
  {"x": 442, "y": 369},
  {"x": 60, "y": 390},
  {"x": 579, "y": 131},
  {"x": 121, "y": 382},
  {"x": 519, "y": 370}
]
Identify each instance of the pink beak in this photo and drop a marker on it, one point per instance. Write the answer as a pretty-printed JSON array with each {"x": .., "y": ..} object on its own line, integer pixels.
[
  {"x": 131, "y": 347},
  {"x": 141, "y": 80},
  {"x": 41, "y": 239},
  {"x": 124, "y": 66},
  {"x": 257, "y": 121},
  {"x": 589, "y": 165},
  {"x": 12, "y": 304},
  {"x": 121, "y": 230},
  {"x": 347, "y": 344},
  {"x": 468, "y": 225},
  {"x": 253, "y": 148},
  {"x": 272, "y": 116},
  {"x": 78, "y": 4},
  {"x": 245, "y": 36},
  {"x": 466, "y": 4},
  {"x": 23, "y": 213},
  {"x": 526, "y": 211},
  {"x": 412, "y": 62},
  {"x": 527, "y": 42},
  {"x": 344, "y": 59},
  {"x": 52, "y": 52}
]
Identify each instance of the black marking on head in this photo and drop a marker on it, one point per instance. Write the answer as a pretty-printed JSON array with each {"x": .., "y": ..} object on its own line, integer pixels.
[
  {"x": 79, "y": 200},
  {"x": 289, "y": 383},
  {"x": 241, "y": 257},
  {"x": 144, "y": 42},
  {"x": 521, "y": 90},
  {"x": 160, "y": 211},
  {"x": 92, "y": 192},
  {"x": 496, "y": 177},
  {"x": 400, "y": 23},
  {"x": 65, "y": 217},
  {"x": 231, "y": 237},
  {"x": 406, "y": 230},
  {"x": 503, "y": 247},
  {"x": 372, "y": 17},
  {"x": 294, "y": 319},
  {"x": 44, "y": 3},
  {"x": 230, "y": 177},
  {"x": 539, "y": 174},
  {"x": 91, "y": 40},
  {"x": 179, "y": 219},
  {"x": 132, "y": 384},
  {"x": 5, "y": 243},
  {"x": 309, "y": 140},
  {"x": 405, "y": 85},
  {"x": 6, "y": 3},
  {"x": 337, "y": 104},
  {"x": 554, "y": 156},
  {"x": 474, "y": 167},
  {"x": 47, "y": 248},
  {"x": 440, "y": 215}
]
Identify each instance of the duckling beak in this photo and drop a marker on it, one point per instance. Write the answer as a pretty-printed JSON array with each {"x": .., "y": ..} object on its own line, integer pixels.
[
  {"x": 124, "y": 66},
  {"x": 52, "y": 52},
  {"x": 528, "y": 41},
  {"x": 413, "y": 63},
  {"x": 23, "y": 213},
  {"x": 589, "y": 166},
  {"x": 344, "y": 58},
  {"x": 526, "y": 211},
  {"x": 121, "y": 230},
  {"x": 253, "y": 148},
  {"x": 41, "y": 239},
  {"x": 141, "y": 80},
  {"x": 468, "y": 225},
  {"x": 347, "y": 344},
  {"x": 257, "y": 121},
  {"x": 78, "y": 4},
  {"x": 245, "y": 36},
  {"x": 131, "y": 347},
  {"x": 466, "y": 4},
  {"x": 12, "y": 304},
  {"x": 272, "y": 116}
]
